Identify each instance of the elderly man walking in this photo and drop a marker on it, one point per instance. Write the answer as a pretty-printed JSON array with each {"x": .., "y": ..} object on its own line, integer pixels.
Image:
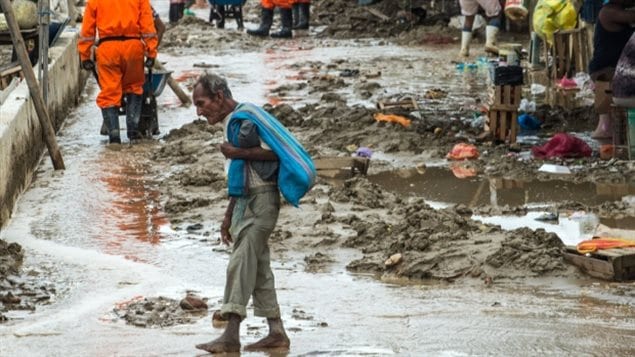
[{"x": 264, "y": 161}]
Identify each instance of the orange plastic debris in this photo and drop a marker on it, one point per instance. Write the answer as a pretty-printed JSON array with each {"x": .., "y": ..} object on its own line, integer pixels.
[
  {"x": 461, "y": 171},
  {"x": 392, "y": 118},
  {"x": 593, "y": 245},
  {"x": 463, "y": 151}
]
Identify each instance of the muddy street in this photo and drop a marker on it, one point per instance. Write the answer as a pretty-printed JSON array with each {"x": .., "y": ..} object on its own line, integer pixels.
[{"x": 421, "y": 256}]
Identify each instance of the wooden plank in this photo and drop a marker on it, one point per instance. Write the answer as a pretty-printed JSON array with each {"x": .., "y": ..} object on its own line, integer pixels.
[
  {"x": 594, "y": 267},
  {"x": 503, "y": 124},
  {"x": 513, "y": 132},
  {"x": 378, "y": 13},
  {"x": 518, "y": 91},
  {"x": 498, "y": 95},
  {"x": 504, "y": 107},
  {"x": 342, "y": 163},
  {"x": 493, "y": 123},
  {"x": 508, "y": 95}
]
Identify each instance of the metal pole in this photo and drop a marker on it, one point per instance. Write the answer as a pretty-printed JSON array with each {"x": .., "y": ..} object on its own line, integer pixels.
[
  {"x": 31, "y": 81},
  {"x": 43, "y": 60}
]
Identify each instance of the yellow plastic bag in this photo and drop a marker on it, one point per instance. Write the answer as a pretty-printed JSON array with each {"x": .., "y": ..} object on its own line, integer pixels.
[{"x": 553, "y": 15}]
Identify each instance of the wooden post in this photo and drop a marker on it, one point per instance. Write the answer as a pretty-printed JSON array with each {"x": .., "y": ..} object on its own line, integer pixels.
[
  {"x": 183, "y": 97},
  {"x": 36, "y": 94}
]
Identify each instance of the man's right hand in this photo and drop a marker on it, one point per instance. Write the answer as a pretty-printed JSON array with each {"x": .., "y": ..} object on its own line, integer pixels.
[
  {"x": 225, "y": 237},
  {"x": 88, "y": 65}
]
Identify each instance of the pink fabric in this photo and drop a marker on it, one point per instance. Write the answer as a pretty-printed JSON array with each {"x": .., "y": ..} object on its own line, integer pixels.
[{"x": 562, "y": 145}]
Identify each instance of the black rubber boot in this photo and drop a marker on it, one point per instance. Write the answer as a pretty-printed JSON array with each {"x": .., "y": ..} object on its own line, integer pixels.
[
  {"x": 104, "y": 128},
  {"x": 265, "y": 24},
  {"x": 133, "y": 113},
  {"x": 111, "y": 118},
  {"x": 221, "y": 11},
  {"x": 304, "y": 16},
  {"x": 296, "y": 14},
  {"x": 286, "y": 17},
  {"x": 176, "y": 12}
]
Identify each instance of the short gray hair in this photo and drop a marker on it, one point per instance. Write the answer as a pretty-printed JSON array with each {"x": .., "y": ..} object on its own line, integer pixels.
[{"x": 212, "y": 83}]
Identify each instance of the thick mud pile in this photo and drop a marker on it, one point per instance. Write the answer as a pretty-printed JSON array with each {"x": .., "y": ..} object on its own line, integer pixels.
[
  {"x": 161, "y": 311},
  {"x": 439, "y": 244},
  {"x": 346, "y": 19},
  {"x": 21, "y": 289}
]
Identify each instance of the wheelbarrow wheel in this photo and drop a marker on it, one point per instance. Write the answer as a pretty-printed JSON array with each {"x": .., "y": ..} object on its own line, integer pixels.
[{"x": 149, "y": 121}]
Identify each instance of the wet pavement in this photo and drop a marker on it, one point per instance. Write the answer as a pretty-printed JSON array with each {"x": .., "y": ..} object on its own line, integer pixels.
[{"x": 100, "y": 230}]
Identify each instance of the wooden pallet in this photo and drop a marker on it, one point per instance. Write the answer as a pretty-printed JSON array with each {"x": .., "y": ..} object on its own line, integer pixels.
[
  {"x": 610, "y": 264},
  {"x": 570, "y": 52},
  {"x": 341, "y": 167},
  {"x": 8, "y": 72},
  {"x": 503, "y": 113}
]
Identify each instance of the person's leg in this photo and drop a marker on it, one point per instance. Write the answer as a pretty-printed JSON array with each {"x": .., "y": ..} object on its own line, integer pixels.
[
  {"x": 266, "y": 305},
  {"x": 241, "y": 277},
  {"x": 108, "y": 64},
  {"x": 132, "y": 83},
  {"x": 468, "y": 10},
  {"x": 286, "y": 19},
  {"x": 493, "y": 13},
  {"x": 266, "y": 19},
  {"x": 301, "y": 14},
  {"x": 602, "y": 81},
  {"x": 266, "y": 207}
]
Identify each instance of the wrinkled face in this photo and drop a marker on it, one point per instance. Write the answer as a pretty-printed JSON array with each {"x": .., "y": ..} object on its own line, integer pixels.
[{"x": 208, "y": 107}]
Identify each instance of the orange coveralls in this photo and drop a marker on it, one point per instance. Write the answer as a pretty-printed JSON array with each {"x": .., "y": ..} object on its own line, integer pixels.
[
  {"x": 130, "y": 25},
  {"x": 270, "y": 4}
]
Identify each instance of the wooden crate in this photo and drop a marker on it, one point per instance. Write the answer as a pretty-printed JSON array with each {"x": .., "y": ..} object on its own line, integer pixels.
[
  {"x": 8, "y": 72},
  {"x": 610, "y": 264},
  {"x": 570, "y": 52},
  {"x": 503, "y": 113},
  {"x": 341, "y": 167}
]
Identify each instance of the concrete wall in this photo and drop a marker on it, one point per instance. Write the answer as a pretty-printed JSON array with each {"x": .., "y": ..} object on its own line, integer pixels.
[{"x": 21, "y": 139}]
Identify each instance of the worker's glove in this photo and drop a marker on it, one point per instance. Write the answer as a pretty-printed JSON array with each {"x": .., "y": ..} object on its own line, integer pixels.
[
  {"x": 88, "y": 65},
  {"x": 149, "y": 62}
]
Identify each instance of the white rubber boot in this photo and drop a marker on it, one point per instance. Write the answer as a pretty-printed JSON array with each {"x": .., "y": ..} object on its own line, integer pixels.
[
  {"x": 490, "y": 39},
  {"x": 466, "y": 37}
]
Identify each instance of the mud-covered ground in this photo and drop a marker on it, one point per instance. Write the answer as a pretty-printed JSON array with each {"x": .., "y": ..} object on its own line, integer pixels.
[{"x": 398, "y": 236}]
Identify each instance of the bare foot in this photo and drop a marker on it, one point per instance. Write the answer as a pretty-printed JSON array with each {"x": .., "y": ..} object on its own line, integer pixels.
[
  {"x": 269, "y": 342},
  {"x": 219, "y": 345}
]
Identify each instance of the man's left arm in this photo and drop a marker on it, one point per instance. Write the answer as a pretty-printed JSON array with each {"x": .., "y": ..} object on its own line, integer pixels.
[{"x": 255, "y": 153}]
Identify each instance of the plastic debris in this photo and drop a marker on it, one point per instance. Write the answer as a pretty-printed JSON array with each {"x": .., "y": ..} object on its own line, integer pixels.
[
  {"x": 463, "y": 151},
  {"x": 527, "y": 106},
  {"x": 392, "y": 118},
  {"x": 528, "y": 122},
  {"x": 538, "y": 89},
  {"x": 364, "y": 152}
]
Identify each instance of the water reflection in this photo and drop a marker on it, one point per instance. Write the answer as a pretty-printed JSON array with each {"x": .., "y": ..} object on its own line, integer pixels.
[
  {"x": 135, "y": 210},
  {"x": 444, "y": 185}
]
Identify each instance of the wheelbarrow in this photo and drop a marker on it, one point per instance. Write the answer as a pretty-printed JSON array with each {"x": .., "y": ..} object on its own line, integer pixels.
[
  {"x": 222, "y": 9},
  {"x": 155, "y": 81}
]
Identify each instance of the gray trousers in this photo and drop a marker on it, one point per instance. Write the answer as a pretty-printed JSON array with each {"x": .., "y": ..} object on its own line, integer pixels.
[{"x": 249, "y": 272}]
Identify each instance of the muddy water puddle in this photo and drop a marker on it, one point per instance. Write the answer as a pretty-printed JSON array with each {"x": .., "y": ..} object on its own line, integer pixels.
[
  {"x": 441, "y": 184},
  {"x": 444, "y": 186}
]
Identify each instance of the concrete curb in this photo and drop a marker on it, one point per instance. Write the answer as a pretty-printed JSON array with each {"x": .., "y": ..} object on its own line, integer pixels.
[{"x": 21, "y": 139}]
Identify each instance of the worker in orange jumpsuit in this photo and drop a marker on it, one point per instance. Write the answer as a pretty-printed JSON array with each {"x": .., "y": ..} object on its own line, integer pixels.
[
  {"x": 266, "y": 19},
  {"x": 126, "y": 34},
  {"x": 301, "y": 14}
]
